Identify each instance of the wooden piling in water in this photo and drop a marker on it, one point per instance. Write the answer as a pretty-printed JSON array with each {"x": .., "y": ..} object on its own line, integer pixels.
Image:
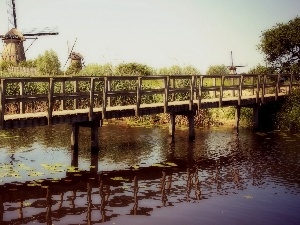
[{"x": 172, "y": 126}]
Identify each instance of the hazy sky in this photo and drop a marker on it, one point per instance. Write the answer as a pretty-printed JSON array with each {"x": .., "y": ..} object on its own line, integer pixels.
[{"x": 158, "y": 33}]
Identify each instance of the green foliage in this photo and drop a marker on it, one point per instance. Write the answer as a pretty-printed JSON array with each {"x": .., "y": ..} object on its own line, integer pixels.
[
  {"x": 28, "y": 63},
  {"x": 281, "y": 46},
  {"x": 74, "y": 68},
  {"x": 217, "y": 70},
  {"x": 259, "y": 69},
  {"x": 289, "y": 116},
  {"x": 48, "y": 63},
  {"x": 178, "y": 70},
  {"x": 97, "y": 70},
  {"x": 4, "y": 65},
  {"x": 133, "y": 69}
]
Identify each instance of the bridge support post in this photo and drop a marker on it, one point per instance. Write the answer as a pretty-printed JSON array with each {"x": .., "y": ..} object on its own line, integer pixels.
[
  {"x": 256, "y": 117},
  {"x": 237, "y": 117},
  {"x": 94, "y": 138},
  {"x": 172, "y": 126},
  {"x": 74, "y": 138},
  {"x": 191, "y": 127},
  {"x": 94, "y": 125}
]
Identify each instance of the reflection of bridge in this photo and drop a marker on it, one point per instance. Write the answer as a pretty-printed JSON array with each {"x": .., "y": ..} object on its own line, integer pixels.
[
  {"x": 97, "y": 197},
  {"x": 85, "y": 101}
]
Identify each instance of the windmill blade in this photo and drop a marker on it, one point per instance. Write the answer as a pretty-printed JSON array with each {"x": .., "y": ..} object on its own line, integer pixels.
[
  {"x": 30, "y": 44},
  {"x": 45, "y": 31},
  {"x": 69, "y": 53},
  {"x": 11, "y": 13},
  {"x": 14, "y": 12}
]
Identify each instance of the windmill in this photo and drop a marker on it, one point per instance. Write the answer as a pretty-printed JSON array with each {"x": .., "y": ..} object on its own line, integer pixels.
[
  {"x": 233, "y": 68},
  {"x": 13, "y": 49},
  {"x": 74, "y": 57}
]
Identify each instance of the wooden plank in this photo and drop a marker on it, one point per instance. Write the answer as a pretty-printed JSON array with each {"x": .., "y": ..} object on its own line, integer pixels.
[
  {"x": 2, "y": 102},
  {"x": 75, "y": 103},
  {"x": 91, "y": 102},
  {"x": 166, "y": 93},
  {"x": 21, "y": 104},
  {"x": 138, "y": 97},
  {"x": 50, "y": 101},
  {"x": 63, "y": 102},
  {"x": 104, "y": 99}
]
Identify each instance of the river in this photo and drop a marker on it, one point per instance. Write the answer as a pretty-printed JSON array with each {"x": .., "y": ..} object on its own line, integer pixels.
[{"x": 138, "y": 177}]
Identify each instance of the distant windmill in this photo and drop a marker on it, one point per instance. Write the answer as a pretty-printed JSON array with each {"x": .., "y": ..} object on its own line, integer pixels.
[
  {"x": 74, "y": 57},
  {"x": 233, "y": 68},
  {"x": 13, "y": 49}
]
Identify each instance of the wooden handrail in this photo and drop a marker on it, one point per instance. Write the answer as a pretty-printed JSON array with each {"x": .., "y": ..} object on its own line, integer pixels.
[{"x": 193, "y": 85}]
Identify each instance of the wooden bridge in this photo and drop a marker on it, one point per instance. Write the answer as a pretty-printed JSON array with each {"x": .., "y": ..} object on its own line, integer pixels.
[{"x": 86, "y": 101}]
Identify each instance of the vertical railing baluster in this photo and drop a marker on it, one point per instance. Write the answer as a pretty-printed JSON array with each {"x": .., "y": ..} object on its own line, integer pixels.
[
  {"x": 277, "y": 86},
  {"x": 50, "y": 101},
  {"x": 192, "y": 88},
  {"x": 173, "y": 87},
  {"x": 221, "y": 91},
  {"x": 166, "y": 93},
  {"x": 241, "y": 81},
  {"x": 257, "y": 88},
  {"x": 291, "y": 84},
  {"x": 91, "y": 105},
  {"x": 109, "y": 89},
  {"x": 252, "y": 82},
  {"x": 138, "y": 96},
  {"x": 263, "y": 89},
  {"x": 63, "y": 102},
  {"x": 215, "y": 84},
  {"x": 104, "y": 98},
  {"x": 200, "y": 91},
  {"x": 2, "y": 102},
  {"x": 22, "y": 104},
  {"x": 232, "y": 83},
  {"x": 75, "y": 106}
]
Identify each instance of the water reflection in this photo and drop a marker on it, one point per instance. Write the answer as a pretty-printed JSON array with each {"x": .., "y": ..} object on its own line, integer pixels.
[{"x": 141, "y": 176}]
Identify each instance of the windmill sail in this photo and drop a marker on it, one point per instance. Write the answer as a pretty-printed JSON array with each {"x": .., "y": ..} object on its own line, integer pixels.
[{"x": 36, "y": 32}]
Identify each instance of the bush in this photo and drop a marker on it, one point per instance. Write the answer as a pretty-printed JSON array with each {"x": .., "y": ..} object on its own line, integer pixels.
[{"x": 289, "y": 116}]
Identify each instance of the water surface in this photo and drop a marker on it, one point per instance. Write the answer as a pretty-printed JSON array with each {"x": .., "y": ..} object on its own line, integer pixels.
[{"x": 138, "y": 177}]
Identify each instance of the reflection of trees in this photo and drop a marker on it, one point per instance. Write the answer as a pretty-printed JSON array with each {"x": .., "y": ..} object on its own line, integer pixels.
[
  {"x": 192, "y": 179},
  {"x": 50, "y": 136}
]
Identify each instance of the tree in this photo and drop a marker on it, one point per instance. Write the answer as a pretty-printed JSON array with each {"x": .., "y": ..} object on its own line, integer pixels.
[
  {"x": 259, "y": 69},
  {"x": 97, "y": 70},
  {"x": 74, "y": 68},
  {"x": 48, "y": 63},
  {"x": 217, "y": 70},
  {"x": 281, "y": 46},
  {"x": 133, "y": 69}
]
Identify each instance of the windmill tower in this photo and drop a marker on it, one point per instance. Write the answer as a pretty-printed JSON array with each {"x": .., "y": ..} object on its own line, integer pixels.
[
  {"x": 233, "y": 68},
  {"x": 13, "y": 49}
]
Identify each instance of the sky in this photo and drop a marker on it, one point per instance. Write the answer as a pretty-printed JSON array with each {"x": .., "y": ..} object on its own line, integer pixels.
[{"x": 158, "y": 33}]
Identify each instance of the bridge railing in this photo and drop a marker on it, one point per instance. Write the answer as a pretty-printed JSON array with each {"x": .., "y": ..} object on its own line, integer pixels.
[{"x": 71, "y": 93}]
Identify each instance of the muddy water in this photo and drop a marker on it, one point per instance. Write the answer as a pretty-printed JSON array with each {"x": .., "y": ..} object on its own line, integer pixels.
[{"x": 139, "y": 178}]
